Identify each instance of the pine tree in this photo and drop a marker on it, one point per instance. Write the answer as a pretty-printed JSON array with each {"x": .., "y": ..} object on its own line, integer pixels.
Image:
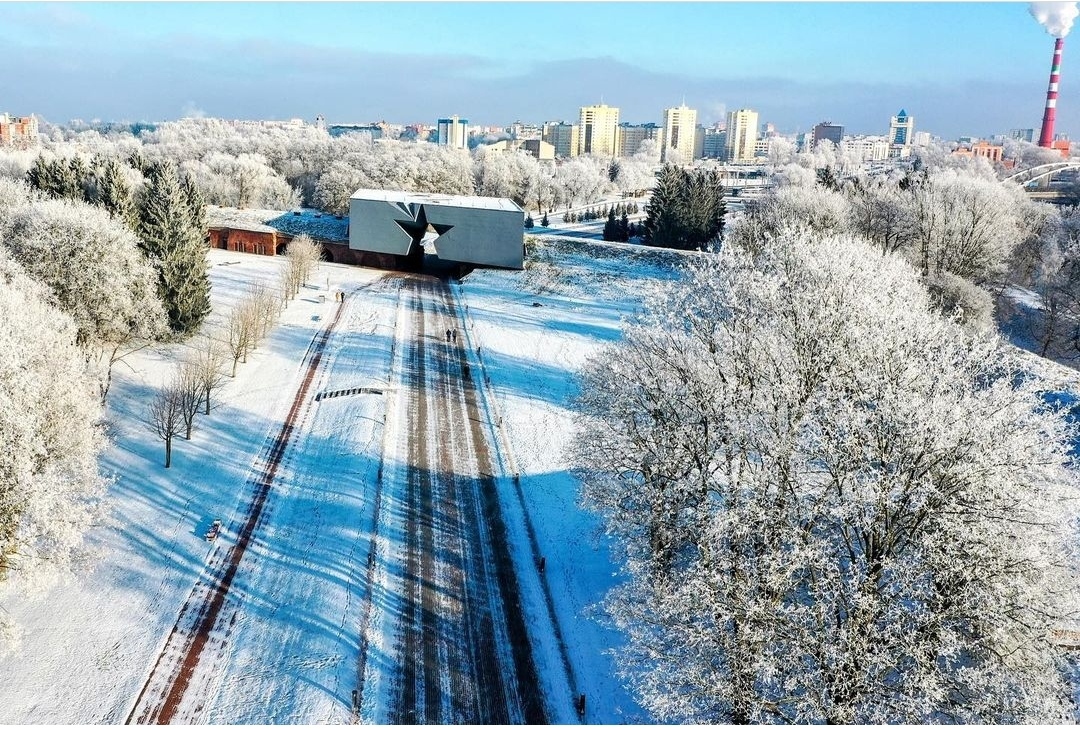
[
  {"x": 529, "y": 221},
  {"x": 686, "y": 210},
  {"x": 662, "y": 228},
  {"x": 77, "y": 179},
  {"x": 544, "y": 220},
  {"x": 39, "y": 175},
  {"x": 613, "y": 170},
  {"x": 114, "y": 194},
  {"x": 624, "y": 228},
  {"x": 611, "y": 227},
  {"x": 196, "y": 203},
  {"x": 176, "y": 248}
]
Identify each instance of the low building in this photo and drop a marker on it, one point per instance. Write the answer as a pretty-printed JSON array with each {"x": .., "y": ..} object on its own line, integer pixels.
[
  {"x": 476, "y": 230},
  {"x": 268, "y": 233},
  {"x": 539, "y": 148},
  {"x": 18, "y": 131},
  {"x": 866, "y": 148},
  {"x": 981, "y": 148}
]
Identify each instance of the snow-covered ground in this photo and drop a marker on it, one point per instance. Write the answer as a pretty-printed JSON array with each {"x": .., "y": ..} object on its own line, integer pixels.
[
  {"x": 534, "y": 331},
  {"x": 287, "y": 644}
]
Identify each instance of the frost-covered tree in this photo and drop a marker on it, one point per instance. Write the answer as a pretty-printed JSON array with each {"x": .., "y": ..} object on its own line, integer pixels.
[
  {"x": 209, "y": 361},
  {"x": 176, "y": 248},
  {"x": 166, "y": 417},
  {"x": 114, "y": 193},
  {"x": 49, "y": 438},
  {"x": 581, "y": 180},
  {"x": 963, "y": 224},
  {"x": 636, "y": 172},
  {"x": 92, "y": 264},
  {"x": 835, "y": 505},
  {"x": 302, "y": 257}
]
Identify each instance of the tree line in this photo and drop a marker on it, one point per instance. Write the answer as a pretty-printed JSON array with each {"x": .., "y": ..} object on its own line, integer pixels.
[
  {"x": 282, "y": 167},
  {"x": 837, "y": 494}
]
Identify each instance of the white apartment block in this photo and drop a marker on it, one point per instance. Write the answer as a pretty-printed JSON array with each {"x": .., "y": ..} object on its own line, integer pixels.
[
  {"x": 742, "y": 128},
  {"x": 677, "y": 142}
]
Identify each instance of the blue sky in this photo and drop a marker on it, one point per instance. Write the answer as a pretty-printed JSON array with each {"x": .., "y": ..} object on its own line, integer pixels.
[{"x": 959, "y": 68}]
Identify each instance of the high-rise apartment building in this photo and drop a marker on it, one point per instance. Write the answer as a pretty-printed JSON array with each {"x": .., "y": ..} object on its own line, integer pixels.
[
  {"x": 677, "y": 144},
  {"x": 827, "y": 130},
  {"x": 563, "y": 137},
  {"x": 597, "y": 130},
  {"x": 630, "y": 137},
  {"x": 741, "y": 135},
  {"x": 454, "y": 132}
]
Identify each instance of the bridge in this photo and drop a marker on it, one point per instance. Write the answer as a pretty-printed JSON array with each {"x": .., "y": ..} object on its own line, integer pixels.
[{"x": 1040, "y": 172}]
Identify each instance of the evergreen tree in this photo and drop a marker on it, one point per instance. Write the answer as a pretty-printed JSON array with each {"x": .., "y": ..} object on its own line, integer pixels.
[
  {"x": 613, "y": 170},
  {"x": 196, "y": 204},
  {"x": 529, "y": 221},
  {"x": 544, "y": 220},
  {"x": 686, "y": 210},
  {"x": 40, "y": 175},
  {"x": 624, "y": 228},
  {"x": 176, "y": 248},
  {"x": 76, "y": 181},
  {"x": 138, "y": 160},
  {"x": 662, "y": 228},
  {"x": 114, "y": 194},
  {"x": 611, "y": 227}
]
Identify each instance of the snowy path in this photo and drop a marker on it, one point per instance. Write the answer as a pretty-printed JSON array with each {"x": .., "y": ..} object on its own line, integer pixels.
[
  {"x": 456, "y": 648},
  {"x": 194, "y": 662},
  {"x": 370, "y": 547}
]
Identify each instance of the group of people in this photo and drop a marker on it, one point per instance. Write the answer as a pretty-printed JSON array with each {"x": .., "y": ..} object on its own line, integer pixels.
[
  {"x": 451, "y": 335},
  {"x": 339, "y": 296}
]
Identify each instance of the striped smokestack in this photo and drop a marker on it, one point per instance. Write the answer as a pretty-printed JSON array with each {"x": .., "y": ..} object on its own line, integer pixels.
[{"x": 1046, "y": 137}]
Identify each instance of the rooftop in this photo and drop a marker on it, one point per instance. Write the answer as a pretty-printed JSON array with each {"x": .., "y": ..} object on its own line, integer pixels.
[
  {"x": 319, "y": 225},
  {"x": 430, "y": 198}
]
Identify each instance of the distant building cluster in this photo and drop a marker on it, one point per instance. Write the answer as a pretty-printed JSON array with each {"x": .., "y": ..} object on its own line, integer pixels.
[
  {"x": 740, "y": 137},
  {"x": 18, "y": 131}
]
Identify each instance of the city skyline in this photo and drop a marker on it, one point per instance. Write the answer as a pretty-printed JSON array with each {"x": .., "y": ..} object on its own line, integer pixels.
[{"x": 959, "y": 68}]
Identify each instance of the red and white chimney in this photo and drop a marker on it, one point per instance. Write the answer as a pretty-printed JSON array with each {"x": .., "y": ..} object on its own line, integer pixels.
[{"x": 1046, "y": 137}]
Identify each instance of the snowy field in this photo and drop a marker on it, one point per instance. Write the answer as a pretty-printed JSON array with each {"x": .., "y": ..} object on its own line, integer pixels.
[{"x": 287, "y": 647}]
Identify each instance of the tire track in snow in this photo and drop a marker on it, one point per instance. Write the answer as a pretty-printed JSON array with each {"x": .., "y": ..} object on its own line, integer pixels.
[
  {"x": 165, "y": 688},
  {"x": 463, "y": 653}
]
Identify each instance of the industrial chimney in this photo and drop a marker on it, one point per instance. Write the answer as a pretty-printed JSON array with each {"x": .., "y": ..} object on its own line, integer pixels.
[{"x": 1046, "y": 137}]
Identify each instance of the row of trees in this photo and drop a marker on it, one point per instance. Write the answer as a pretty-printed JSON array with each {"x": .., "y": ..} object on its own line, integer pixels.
[
  {"x": 620, "y": 230},
  {"x": 686, "y": 210},
  {"x": 590, "y": 214},
  {"x": 173, "y": 410},
  {"x": 834, "y": 504},
  {"x": 166, "y": 211},
  {"x": 74, "y": 289},
  {"x": 94, "y": 267},
  {"x": 281, "y": 167}
]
